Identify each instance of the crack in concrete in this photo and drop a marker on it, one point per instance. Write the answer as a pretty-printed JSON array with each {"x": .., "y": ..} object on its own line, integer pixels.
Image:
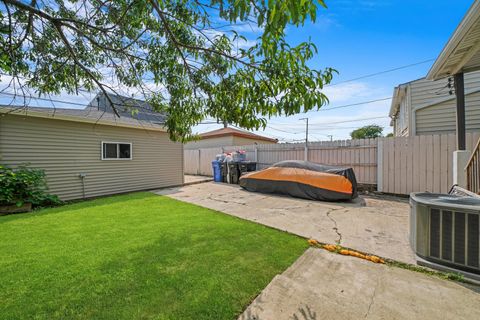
[
  {"x": 372, "y": 299},
  {"x": 371, "y": 302},
  {"x": 210, "y": 197},
  {"x": 335, "y": 228}
]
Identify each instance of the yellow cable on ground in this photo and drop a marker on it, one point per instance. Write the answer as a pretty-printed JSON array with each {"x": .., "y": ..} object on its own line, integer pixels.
[{"x": 345, "y": 252}]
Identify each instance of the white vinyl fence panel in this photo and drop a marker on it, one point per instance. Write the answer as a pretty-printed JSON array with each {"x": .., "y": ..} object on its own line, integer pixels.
[
  {"x": 398, "y": 165},
  {"x": 359, "y": 154},
  {"x": 419, "y": 163}
]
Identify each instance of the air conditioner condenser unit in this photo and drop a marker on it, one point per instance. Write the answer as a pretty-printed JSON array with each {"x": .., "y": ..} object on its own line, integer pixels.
[{"x": 445, "y": 232}]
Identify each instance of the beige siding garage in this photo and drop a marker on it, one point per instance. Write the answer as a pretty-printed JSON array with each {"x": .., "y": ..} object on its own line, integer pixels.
[
  {"x": 210, "y": 143},
  {"x": 65, "y": 149},
  {"x": 226, "y": 137},
  {"x": 241, "y": 141}
]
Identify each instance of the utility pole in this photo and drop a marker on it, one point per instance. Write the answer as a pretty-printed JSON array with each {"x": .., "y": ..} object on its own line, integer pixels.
[
  {"x": 331, "y": 136},
  {"x": 306, "y": 131},
  {"x": 306, "y": 139}
]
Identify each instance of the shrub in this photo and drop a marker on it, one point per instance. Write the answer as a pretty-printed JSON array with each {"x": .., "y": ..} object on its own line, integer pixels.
[{"x": 24, "y": 185}]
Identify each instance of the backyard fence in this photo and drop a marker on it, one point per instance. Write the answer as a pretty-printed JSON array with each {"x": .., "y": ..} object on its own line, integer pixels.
[
  {"x": 398, "y": 165},
  {"x": 419, "y": 163},
  {"x": 361, "y": 155}
]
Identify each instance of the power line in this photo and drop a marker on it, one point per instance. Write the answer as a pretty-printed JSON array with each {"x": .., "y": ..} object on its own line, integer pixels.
[
  {"x": 321, "y": 110},
  {"x": 334, "y": 128},
  {"x": 355, "y": 104},
  {"x": 271, "y": 135},
  {"x": 280, "y": 130},
  {"x": 381, "y": 72},
  {"x": 343, "y": 121},
  {"x": 352, "y": 120},
  {"x": 44, "y": 99}
]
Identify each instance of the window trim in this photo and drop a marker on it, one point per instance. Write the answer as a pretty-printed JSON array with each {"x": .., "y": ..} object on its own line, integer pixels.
[{"x": 118, "y": 143}]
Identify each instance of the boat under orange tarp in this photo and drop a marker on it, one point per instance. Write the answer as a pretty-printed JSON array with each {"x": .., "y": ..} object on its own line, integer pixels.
[{"x": 303, "y": 179}]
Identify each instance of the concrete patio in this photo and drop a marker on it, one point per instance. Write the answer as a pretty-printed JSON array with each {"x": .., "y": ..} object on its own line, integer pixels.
[
  {"x": 372, "y": 225},
  {"x": 324, "y": 285}
]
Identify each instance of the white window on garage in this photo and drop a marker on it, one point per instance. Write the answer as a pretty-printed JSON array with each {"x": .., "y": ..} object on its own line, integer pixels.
[{"x": 116, "y": 150}]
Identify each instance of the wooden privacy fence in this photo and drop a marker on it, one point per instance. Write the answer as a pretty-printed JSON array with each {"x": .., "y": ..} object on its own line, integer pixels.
[
  {"x": 359, "y": 154},
  {"x": 399, "y": 165},
  {"x": 419, "y": 163}
]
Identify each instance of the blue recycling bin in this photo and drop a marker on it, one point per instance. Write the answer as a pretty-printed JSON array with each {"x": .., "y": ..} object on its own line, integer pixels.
[{"x": 217, "y": 172}]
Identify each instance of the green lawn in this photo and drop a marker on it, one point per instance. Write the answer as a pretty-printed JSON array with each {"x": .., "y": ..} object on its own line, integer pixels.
[{"x": 137, "y": 256}]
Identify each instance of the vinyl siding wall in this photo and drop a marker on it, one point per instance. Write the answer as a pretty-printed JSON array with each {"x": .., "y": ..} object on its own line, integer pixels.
[
  {"x": 240, "y": 141},
  {"x": 224, "y": 141},
  {"x": 210, "y": 143},
  {"x": 64, "y": 149},
  {"x": 402, "y": 121},
  {"x": 441, "y": 118},
  {"x": 430, "y": 109}
]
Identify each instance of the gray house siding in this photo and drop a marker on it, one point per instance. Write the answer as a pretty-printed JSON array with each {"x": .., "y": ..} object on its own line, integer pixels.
[
  {"x": 440, "y": 118},
  {"x": 424, "y": 91},
  {"x": 64, "y": 149},
  {"x": 428, "y": 108}
]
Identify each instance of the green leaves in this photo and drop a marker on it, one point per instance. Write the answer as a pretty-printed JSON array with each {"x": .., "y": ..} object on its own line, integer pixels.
[
  {"x": 178, "y": 54},
  {"x": 24, "y": 184},
  {"x": 366, "y": 132}
]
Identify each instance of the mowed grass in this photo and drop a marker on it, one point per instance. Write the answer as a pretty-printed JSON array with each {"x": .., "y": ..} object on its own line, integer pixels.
[{"x": 137, "y": 256}]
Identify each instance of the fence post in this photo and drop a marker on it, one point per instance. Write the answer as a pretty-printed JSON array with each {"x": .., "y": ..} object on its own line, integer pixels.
[
  {"x": 380, "y": 164},
  {"x": 256, "y": 154},
  {"x": 199, "y": 161}
]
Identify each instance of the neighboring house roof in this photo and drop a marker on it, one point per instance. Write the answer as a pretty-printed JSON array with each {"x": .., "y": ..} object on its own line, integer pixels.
[
  {"x": 99, "y": 112},
  {"x": 234, "y": 132},
  {"x": 87, "y": 115},
  {"x": 398, "y": 94},
  {"x": 126, "y": 107},
  {"x": 462, "y": 51}
]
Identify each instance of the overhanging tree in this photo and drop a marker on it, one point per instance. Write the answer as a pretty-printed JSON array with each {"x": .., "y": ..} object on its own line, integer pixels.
[{"x": 174, "y": 52}]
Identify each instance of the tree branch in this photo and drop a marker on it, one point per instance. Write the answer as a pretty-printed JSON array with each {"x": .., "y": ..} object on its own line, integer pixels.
[{"x": 74, "y": 57}]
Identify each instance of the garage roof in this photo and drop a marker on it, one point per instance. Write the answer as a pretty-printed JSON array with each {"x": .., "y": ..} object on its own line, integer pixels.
[
  {"x": 234, "y": 132},
  {"x": 87, "y": 115}
]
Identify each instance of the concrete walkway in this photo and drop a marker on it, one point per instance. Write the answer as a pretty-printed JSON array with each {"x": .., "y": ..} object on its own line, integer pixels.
[
  {"x": 322, "y": 285},
  {"x": 372, "y": 225}
]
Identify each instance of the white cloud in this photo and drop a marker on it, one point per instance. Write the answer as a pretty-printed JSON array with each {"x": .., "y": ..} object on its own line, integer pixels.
[
  {"x": 325, "y": 22},
  {"x": 346, "y": 92},
  {"x": 246, "y": 27}
]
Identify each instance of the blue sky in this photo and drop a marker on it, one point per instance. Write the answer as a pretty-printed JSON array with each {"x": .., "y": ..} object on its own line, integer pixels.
[
  {"x": 359, "y": 38},
  {"x": 363, "y": 37}
]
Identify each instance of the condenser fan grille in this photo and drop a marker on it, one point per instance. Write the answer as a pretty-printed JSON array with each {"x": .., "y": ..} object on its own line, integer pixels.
[{"x": 454, "y": 237}]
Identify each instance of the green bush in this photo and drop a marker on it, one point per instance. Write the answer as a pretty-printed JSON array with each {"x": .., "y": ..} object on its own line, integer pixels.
[{"x": 25, "y": 185}]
